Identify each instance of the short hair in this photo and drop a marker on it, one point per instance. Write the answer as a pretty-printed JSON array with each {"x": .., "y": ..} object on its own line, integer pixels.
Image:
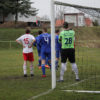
[
  {"x": 57, "y": 31},
  {"x": 40, "y": 32},
  {"x": 45, "y": 29},
  {"x": 65, "y": 25},
  {"x": 28, "y": 30}
]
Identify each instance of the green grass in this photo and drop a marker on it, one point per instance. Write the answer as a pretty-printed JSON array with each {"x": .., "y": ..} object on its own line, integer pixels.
[{"x": 13, "y": 86}]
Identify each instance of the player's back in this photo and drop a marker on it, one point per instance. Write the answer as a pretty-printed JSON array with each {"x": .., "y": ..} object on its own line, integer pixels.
[
  {"x": 26, "y": 40},
  {"x": 45, "y": 40}
]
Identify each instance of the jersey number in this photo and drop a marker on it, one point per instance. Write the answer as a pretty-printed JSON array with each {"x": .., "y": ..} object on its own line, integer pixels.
[
  {"x": 68, "y": 40},
  {"x": 26, "y": 41},
  {"x": 46, "y": 39}
]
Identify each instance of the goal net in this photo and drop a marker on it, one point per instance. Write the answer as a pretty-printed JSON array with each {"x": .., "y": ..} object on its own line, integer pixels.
[{"x": 84, "y": 19}]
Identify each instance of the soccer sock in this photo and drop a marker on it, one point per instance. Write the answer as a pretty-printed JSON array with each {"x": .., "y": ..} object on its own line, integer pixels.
[
  {"x": 63, "y": 69},
  {"x": 56, "y": 64},
  {"x": 31, "y": 69},
  {"x": 39, "y": 62},
  {"x": 43, "y": 69},
  {"x": 24, "y": 69},
  {"x": 75, "y": 69}
]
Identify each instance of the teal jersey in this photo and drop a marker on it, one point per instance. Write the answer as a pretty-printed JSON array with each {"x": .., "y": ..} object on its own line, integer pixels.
[{"x": 66, "y": 38}]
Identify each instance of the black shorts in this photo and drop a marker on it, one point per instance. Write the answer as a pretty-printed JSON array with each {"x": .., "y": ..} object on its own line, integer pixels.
[{"x": 68, "y": 54}]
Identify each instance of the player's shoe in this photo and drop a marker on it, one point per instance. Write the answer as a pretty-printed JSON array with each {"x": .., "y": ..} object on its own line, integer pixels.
[
  {"x": 25, "y": 75},
  {"x": 47, "y": 66},
  {"x": 60, "y": 80},
  {"x": 43, "y": 75},
  {"x": 40, "y": 67},
  {"x": 32, "y": 75},
  {"x": 77, "y": 79}
]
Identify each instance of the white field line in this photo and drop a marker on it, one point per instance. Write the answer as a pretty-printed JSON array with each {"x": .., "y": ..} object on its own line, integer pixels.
[
  {"x": 82, "y": 91},
  {"x": 74, "y": 84},
  {"x": 50, "y": 90},
  {"x": 41, "y": 94}
]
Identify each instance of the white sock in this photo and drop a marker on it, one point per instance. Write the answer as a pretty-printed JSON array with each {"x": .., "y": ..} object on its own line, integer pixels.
[
  {"x": 63, "y": 69},
  {"x": 24, "y": 69},
  {"x": 31, "y": 69},
  {"x": 75, "y": 69}
]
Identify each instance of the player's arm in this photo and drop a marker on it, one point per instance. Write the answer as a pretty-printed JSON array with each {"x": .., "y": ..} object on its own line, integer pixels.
[
  {"x": 33, "y": 40},
  {"x": 60, "y": 38},
  {"x": 19, "y": 42}
]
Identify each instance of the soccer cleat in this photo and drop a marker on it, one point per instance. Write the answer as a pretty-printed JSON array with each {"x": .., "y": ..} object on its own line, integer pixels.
[
  {"x": 32, "y": 75},
  {"x": 25, "y": 75},
  {"x": 60, "y": 80},
  {"x": 47, "y": 66},
  {"x": 77, "y": 79},
  {"x": 43, "y": 75}
]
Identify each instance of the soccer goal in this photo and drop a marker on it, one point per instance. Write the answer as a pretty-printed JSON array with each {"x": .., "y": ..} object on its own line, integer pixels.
[{"x": 82, "y": 19}]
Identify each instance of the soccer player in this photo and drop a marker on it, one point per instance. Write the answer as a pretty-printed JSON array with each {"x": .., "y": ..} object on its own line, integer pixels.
[
  {"x": 45, "y": 41},
  {"x": 27, "y": 41},
  {"x": 66, "y": 38},
  {"x": 38, "y": 45},
  {"x": 58, "y": 47}
]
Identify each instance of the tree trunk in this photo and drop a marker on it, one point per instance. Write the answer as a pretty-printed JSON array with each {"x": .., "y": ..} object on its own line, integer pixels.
[{"x": 16, "y": 14}]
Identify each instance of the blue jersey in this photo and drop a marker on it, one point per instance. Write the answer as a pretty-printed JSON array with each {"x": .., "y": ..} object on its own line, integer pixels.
[
  {"x": 45, "y": 42},
  {"x": 58, "y": 45}
]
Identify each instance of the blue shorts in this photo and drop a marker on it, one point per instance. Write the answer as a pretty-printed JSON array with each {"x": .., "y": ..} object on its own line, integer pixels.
[
  {"x": 45, "y": 55},
  {"x": 58, "y": 53}
]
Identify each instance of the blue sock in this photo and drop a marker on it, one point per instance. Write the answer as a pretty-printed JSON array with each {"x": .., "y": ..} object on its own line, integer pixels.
[
  {"x": 56, "y": 64},
  {"x": 43, "y": 69},
  {"x": 39, "y": 62}
]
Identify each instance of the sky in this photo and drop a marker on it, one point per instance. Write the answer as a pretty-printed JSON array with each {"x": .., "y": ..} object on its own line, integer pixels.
[{"x": 44, "y": 5}]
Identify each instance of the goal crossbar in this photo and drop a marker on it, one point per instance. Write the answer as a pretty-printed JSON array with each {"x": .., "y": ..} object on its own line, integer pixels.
[{"x": 74, "y": 5}]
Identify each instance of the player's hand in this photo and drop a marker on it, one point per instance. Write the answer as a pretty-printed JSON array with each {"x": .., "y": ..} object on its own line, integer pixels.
[{"x": 30, "y": 46}]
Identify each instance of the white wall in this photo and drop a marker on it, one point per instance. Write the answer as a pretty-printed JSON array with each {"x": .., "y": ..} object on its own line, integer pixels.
[
  {"x": 81, "y": 21},
  {"x": 27, "y": 19},
  {"x": 73, "y": 19}
]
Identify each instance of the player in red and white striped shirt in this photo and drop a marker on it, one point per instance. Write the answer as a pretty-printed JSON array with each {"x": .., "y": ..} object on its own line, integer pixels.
[{"x": 27, "y": 41}]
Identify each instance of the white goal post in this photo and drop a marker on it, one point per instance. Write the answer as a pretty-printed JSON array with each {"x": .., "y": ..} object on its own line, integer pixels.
[{"x": 53, "y": 70}]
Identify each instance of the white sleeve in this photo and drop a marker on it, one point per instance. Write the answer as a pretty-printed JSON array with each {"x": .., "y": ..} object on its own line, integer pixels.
[
  {"x": 33, "y": 38},
  {"x": 19, "y": 39}
]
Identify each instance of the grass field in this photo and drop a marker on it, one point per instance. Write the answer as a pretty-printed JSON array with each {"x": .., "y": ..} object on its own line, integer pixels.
[{"x": 13, "y": 86}]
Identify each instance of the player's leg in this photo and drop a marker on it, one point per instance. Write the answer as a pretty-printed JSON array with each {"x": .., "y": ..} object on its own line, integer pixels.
[
  {"x": 43, "y": 57},
  {"x": 47, "y": 63},
  {"x": 49, "y": 59},
  {"x": 39, "y": 60},
  {"x": 25, "y": 64},
  {"x": 31, "y": 59},
  {"x": 63, "y": 65},
  {"x": 25, "y": 68},
  {"x": 72, "y": 60},
  {"x": 43, "y": 68}
]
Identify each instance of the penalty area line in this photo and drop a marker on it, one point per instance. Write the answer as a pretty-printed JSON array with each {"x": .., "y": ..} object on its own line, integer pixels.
[
  {"x": 75, "y": 84},
  {"x": 41, "y": 94},
  {"x": 82, "y": 91}
]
